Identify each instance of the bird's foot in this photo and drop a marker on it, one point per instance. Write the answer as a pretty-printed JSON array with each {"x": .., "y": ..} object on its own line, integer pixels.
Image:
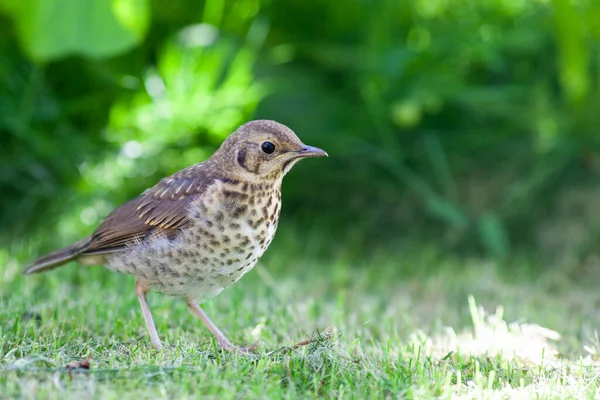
[
  {"x": 227, "y": 346},
  {"x": 157, "y": 345},
  {"x": 244, "y": 350}
]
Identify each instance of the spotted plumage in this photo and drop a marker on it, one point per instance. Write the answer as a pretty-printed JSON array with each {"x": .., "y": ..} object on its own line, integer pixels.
[{"x": 201, "y": 229}]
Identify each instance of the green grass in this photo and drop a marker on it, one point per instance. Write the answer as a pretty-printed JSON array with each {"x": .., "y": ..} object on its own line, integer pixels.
[{"x": 390, "y": 327}]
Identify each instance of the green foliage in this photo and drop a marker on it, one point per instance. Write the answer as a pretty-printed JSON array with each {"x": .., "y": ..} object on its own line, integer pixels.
[
  {"x": 461, "y": 104},
  {"x": 458, "y": 122},
  {"x": 51, "y": 29}
]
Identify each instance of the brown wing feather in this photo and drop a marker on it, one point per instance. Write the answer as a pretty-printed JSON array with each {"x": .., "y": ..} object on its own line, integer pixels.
[{"x": 161, "y": 210}]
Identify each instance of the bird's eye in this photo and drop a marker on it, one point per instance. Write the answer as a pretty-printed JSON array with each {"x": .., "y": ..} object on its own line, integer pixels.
[{"x": 267, "y": 147}]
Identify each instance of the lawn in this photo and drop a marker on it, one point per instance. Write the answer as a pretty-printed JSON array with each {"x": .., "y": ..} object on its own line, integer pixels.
[{"x": 407, "y": 325}]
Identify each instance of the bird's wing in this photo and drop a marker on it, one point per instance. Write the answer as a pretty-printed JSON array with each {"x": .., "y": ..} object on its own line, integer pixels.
[{"x": 161, "y": 210}]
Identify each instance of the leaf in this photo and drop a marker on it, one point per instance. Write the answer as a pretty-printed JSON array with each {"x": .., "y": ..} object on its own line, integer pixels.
[
  {"x": 493, "y": 235},
  {"x": 439, "y": 162},
  {"x": 51, "y": 29},
  {"x": 447, "y": 211},
  {"x": 573, "y": 47}
]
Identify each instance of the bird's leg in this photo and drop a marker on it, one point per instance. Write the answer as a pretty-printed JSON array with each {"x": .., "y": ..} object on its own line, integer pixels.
[
  {"x": 221, "y": 338},
  {"x": 140, "y": 290}
]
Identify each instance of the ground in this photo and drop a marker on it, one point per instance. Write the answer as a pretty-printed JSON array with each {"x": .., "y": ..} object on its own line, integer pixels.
[{"x": 413, "y": 326}]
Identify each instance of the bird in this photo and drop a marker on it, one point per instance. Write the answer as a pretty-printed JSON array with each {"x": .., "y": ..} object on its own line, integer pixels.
[{"x": 200, "y": 229}]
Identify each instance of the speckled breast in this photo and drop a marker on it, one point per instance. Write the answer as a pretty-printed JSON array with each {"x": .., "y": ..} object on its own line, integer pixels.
[{"x": 232, "y": 225}]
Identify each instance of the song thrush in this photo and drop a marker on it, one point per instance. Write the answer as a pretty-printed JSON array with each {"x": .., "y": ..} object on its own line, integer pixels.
[{"x": 202, "y": 228}]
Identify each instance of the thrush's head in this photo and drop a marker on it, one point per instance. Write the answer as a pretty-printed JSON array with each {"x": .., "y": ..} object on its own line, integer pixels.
[{"x": 262, "y": 150}]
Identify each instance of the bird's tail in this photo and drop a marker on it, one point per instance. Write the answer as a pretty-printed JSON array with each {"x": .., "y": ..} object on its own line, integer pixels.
[{"x": 57, "y": 258}]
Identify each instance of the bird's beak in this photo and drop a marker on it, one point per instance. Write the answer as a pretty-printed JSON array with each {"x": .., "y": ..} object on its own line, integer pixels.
[{"x": 310, "y": 151}]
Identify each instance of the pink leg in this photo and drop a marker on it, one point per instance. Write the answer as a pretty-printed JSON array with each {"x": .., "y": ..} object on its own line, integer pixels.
[
  {"x": 140, "y": 291},
  {"x": 221, "y": 338}
]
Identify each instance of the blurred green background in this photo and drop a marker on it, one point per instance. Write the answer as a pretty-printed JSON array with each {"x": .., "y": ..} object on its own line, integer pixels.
[{"x": 468, "y": 127}]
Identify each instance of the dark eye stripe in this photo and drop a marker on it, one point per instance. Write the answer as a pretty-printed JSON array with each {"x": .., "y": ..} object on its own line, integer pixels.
[{"x": 241, "y": 159}]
